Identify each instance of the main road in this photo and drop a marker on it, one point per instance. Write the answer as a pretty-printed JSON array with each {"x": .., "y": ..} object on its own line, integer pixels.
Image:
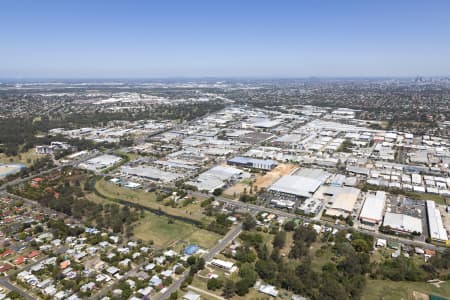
[
  {"x": 228, "y": 238},
  {"x": 285, "y": 214}
]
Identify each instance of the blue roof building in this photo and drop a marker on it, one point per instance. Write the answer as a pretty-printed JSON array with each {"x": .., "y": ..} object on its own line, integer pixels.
[{"x": 191, "y": 249}]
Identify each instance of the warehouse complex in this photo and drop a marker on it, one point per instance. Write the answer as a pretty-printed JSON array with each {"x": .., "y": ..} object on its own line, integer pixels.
[
  {"x": 217, "y": 177},
  {"x": 151, "y": 173}
]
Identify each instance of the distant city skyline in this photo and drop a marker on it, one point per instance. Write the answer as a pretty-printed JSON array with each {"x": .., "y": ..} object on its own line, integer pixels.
[{"x": 254, "y": 39}]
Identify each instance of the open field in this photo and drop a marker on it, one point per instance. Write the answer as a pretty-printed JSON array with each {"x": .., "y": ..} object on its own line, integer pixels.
[
  {"x": 26, "y": 158},
  {"x": 162, "y": 233},
  {"x": 392, "y": 290},
  {"x": 110, "y": 190},
  {"x": 236, "y": 190}
]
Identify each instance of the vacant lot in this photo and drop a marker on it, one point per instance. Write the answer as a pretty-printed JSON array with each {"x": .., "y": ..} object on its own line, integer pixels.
[
  {"x": 237, "y": 189},
  {"x": 164, "y": 233},
  {"x": 264, "y": 181},
  {"x": 110, "y": 190},
  {"x": 392, "y": 290},
  {"x": 26, "y": 158}
]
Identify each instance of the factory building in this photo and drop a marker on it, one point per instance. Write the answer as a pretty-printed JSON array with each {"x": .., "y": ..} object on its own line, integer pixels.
[{"x": 261, "y": 164}]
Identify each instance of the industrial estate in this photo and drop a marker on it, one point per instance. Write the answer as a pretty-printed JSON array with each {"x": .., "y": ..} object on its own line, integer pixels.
[{"x": 303, "y": 189}]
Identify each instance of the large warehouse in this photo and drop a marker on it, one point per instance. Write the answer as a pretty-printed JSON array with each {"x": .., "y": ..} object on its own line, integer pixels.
[
  {"x": 262, "y": 164},
  {"x": 295, "y": 186},
  {"x": 151, "y": 173},
  {"x": 402, "y": 223},
  {"x": 435, "y": 225},
  {"x": 100, "y": 162},
  {"x": 217, "y": 177},
  {"x": 373, "y": 208},
  {"x": 343, "y": 200}
]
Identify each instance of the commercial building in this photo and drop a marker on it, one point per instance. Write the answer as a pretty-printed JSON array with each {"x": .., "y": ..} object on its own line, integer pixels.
[
  {"x": 435, "y": 225},
  {"x": 373, "y": 208},
  {"x": 262, "y": 164},
  {"x": 402, "y": 223}
]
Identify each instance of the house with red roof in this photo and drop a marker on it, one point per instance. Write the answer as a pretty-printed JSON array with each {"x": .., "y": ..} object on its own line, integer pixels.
[
  {"x": 5, "y": 268},
  {"x": 20, "y": 260},
  {"x": 6, "y": 253},
  {"x": 36, "y": 181},
  {"x": 33, "y": 254}
]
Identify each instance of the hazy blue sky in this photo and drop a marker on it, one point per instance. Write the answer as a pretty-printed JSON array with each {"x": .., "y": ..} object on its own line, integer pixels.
[{"x": 128, "y": 38}]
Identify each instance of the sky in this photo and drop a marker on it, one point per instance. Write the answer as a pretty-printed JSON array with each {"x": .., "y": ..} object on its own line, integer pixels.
[{"x": 228, "y": 38}]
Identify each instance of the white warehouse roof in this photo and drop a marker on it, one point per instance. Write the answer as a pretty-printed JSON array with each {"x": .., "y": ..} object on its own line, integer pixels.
[
  {"x": 296, "y": 185},
  {"x": 402, "y": 222},
  {"x": 373, "y": 207},
  {"x": 436, "y": 227}
]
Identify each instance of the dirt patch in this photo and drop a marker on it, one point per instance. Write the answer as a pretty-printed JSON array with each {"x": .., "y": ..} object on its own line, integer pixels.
[
  {"x": 264, "y": 181},
  {"x": 260, "y": 181},
  {"x": 237, "y": 189},
  {"x": 419, "y": 296}
]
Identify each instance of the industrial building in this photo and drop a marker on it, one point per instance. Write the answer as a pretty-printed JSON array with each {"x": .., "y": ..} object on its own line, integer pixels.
[
  {"x": 295, "y": 187},
  {"x": 151, "y": 173},
  {"x": 435, "y": 224},
  {"x": 402, "y": 223},
  {"x": 261, "y": 164},
  {"x": 100, "y": 162},
  {"x": 373, "y": 208},
  {"x": 343, "y": 200},
  {"x": 279, "y": 203},
  {"x": 217, "y": 177},
  {"x": 53, "y": 147}
]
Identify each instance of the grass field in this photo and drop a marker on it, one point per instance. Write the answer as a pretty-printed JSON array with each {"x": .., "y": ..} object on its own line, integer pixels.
[
  {"x": 153, "y": 227},
  {"x": 162, "y": 233},
  {"x": 192, "y": 211},
  {"x": 26, "y": 158},
  {"x": 391, "y": 290}
]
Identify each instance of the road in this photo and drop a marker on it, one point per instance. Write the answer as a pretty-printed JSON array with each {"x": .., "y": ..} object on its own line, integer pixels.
[
  {"x": 230, "y": 236},
  {"x": 195, "y": 289},
  {"x": 4, "y": 281},
  {"x": 333, "y": 225}
]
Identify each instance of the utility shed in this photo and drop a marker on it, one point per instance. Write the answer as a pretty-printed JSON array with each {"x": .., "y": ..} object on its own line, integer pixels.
[
  {"x": 402, "y": 223},
  {"x": 373, "y": 207}
]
